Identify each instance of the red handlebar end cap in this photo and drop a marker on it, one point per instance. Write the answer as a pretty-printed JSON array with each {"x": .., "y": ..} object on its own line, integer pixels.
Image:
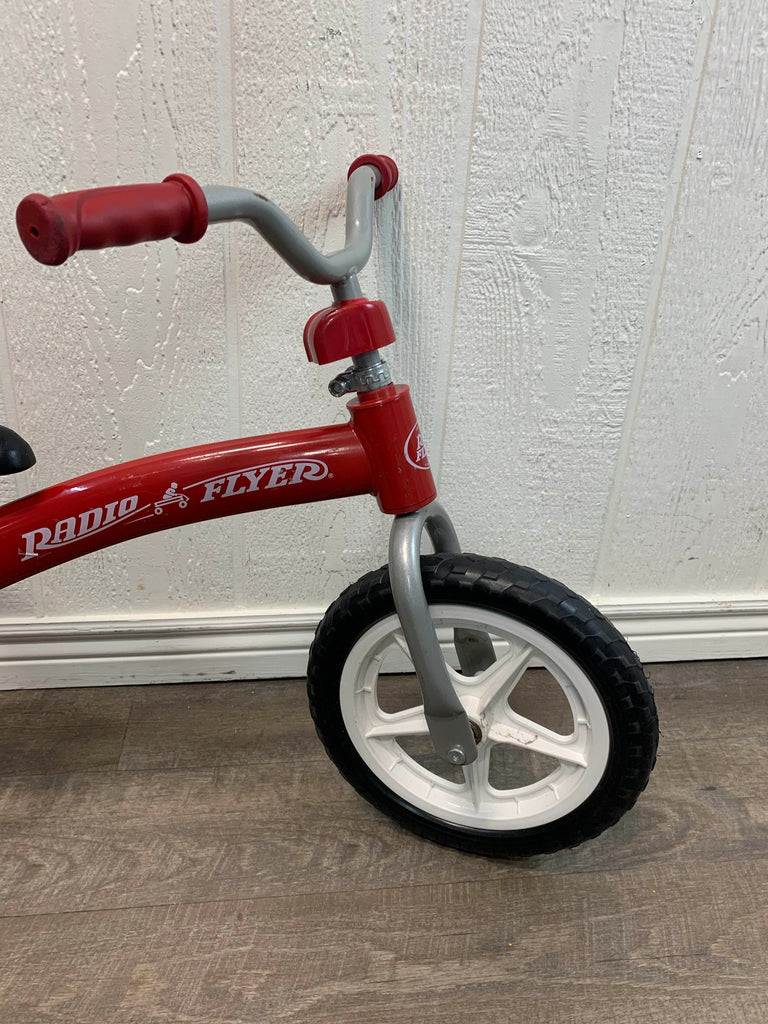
[
  {"x": 386, "y": 167},
  {"x": 43, "y": 231},
  {"x": 198, "y": 221}
]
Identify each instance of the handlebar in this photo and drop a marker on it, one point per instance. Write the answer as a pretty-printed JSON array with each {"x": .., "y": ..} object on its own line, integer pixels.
[{"x": 54, "y": 228}]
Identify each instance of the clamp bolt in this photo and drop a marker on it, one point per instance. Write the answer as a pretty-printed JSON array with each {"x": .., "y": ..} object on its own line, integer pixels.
[
  {"x": 456, "y": 755},
  {"x": 365, "y": 377},
  {"x": 343, "y": 383}
]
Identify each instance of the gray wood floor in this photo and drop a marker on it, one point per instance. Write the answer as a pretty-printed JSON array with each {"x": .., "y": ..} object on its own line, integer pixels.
[{"x": 187, "y": 854}]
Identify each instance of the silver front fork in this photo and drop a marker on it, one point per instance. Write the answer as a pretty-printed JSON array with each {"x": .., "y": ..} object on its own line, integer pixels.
[{"x": 449, "y": 727}]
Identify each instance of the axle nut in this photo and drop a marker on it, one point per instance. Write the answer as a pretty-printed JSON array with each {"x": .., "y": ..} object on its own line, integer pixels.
[{"x": 456, "y": 755}]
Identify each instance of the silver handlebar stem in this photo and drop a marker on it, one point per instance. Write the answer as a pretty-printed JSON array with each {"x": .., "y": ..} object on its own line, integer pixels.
[{"x": 226, "y": 203}]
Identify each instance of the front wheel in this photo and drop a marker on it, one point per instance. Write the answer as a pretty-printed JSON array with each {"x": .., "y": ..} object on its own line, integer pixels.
[{"x": 564, "y": 717}]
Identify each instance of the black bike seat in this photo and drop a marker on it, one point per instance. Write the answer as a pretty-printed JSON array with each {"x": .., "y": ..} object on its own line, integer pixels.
[{"x": 15, "y": 453}]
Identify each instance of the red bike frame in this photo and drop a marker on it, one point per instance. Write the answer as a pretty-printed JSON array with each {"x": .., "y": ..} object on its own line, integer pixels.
[{"x": 378, "y": 452}]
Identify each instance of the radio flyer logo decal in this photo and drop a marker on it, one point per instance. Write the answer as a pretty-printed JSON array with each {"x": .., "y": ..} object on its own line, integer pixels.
[
  {"x": 171, "y": 497},
  {"x": 414, "y": 450},
  {"x": 243, "y": 481},
  {"x": 75, "y": 528},
  {"x": 272, "y": 474}
]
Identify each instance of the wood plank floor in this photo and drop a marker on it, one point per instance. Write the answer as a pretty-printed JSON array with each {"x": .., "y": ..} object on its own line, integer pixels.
[{"x": 187, "y": 854}]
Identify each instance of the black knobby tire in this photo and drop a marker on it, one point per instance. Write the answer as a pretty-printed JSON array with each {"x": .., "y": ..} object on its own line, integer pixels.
[{"x": 556, "y": 613}]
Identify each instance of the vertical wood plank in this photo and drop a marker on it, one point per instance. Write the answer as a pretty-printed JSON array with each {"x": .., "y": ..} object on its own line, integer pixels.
[
  {"x": 692, "y": 511},
  {"x": 346, "y": 79},
  {"x": 579, "y": 107},
  {"x": 19, "y": 600},
  {"x": 120, "y": 353}
]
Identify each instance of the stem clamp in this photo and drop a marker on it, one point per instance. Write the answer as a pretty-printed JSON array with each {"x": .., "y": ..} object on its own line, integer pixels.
[{"x": 365, "y": 377}]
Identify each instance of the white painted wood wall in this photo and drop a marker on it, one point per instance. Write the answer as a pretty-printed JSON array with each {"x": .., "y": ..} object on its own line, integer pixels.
[{"x": 575, "y": 263}]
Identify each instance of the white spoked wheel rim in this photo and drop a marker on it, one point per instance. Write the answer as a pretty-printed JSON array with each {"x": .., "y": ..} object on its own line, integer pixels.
[{"x": 581, "y": 756}]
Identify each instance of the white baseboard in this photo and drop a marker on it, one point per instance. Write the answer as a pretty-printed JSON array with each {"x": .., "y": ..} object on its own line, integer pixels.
[{"x": 211, "y": 648}]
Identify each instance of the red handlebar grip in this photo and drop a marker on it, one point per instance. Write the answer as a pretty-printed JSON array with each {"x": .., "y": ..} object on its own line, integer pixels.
[
  {"x": 53, "y": 228},
  {"x": 386, "y": 167}
]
